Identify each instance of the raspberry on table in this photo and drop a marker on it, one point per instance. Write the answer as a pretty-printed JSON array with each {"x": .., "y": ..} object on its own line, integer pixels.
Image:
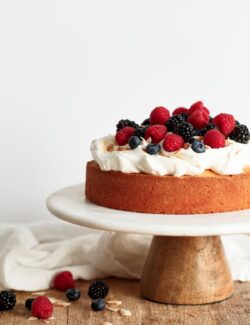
[
  {"x": 63, "y": 281},
  {"x": 156, "y": 133},
  {"x": 173, "y": 142},
  {"x": 124, "y": 135},
  {"x": 199, "y": 118},
  {"x": 159, "y": 115},
  {"x": 215, "y": 139},
  {"x": 42, "y": 308},
  {"x": 225, "y": 122}
]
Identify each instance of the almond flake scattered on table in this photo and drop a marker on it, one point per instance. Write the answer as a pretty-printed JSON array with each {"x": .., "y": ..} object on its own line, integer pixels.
[
  {"x": 114, "y": 309},
  {"x": 32, "y": 318},
  {"x": 61, "y": 303},
  {"x": 107, "y": 323},
  {"x": 40, "y": 293},
  {"x": 114, "y": 302},
  {"x": 125, "y": 312},
  {"x": 53, "y": 300}
]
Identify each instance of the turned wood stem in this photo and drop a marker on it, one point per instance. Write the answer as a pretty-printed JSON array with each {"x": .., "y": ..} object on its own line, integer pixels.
[{"x": 186, "y": 270}]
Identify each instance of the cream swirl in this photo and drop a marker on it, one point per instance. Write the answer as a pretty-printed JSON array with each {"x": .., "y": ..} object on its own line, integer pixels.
[{"x": 231, "y": 160}]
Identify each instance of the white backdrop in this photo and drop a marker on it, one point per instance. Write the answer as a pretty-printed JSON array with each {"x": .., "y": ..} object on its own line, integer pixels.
[{"x": 69, "y": 70}]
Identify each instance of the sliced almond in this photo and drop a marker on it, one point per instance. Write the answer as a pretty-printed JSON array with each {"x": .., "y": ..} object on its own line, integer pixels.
[
  {"x": 32, "y": 318},
  {"x": 107, "y": 323},
  {"x": 114, "y": 302},
  {"x": 39, "y": 293},
  {"x": 54, "y": 300},
  {"x": 125, "y": 312},
  {"x": 62, "y": 303},
  {"x": 114, "y": 309}
]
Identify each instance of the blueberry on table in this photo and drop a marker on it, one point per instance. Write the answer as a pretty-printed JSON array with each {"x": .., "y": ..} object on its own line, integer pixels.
[
  {"x": 28, "y": 303},
  {"x": 153, "y": 148},
  {"x": 198, "y": 147},
  {"x": 98, "y": 305},
  {"x": 73, "y": 294}
]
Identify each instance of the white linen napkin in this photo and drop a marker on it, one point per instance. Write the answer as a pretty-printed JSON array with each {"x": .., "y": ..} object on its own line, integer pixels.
[{"x": 31, "y": 255}]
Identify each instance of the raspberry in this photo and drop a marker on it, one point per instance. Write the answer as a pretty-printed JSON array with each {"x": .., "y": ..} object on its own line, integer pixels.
[
  {"x": 215, "y": 139},
  {"x": 156, "y": 133},
  {"x": 225, "y": 122},
  {"x": 64, "y": 281},
  {"x": 196, "y": 106},
  {"x": 173, "y": 142},
  {"x": 180, "y": 110},
  {"x": 123, "y": 135},
  {"x": 199, "y": 118},
  {"x": 42, "y": 308},
  {"x": 159, "y": 115}
]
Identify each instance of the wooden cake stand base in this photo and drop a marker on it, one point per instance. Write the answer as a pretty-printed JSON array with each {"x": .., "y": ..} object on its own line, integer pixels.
[{"x": 186, "y": 270}]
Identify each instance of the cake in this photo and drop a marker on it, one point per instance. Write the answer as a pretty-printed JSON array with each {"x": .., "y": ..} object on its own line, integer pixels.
[{"x": 184, "y": 163}]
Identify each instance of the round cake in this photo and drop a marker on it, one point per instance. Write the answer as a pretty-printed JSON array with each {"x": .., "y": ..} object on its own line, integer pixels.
[{"x": 187, "y": 163}]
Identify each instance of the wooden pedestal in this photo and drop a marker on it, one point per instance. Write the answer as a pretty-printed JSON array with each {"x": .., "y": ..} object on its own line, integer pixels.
[{"x": 186, "y": 270}]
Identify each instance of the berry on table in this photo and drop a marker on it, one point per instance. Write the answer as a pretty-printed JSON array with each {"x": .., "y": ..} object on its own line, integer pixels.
[
  {"x": 156, "y": 133},
  {"x": 153, "y": 148},
  {"x": 73, "y": 294},
  {"x": 63, "y": 281},
  {"x": 42, "y": 308},
  {"x": 215, "y": 139},
  {"x": 159, "y": 115},
  {"x": 98, "y": 290},
  {"x": 134, "y": 142},
  {"x": 240, "y": 134},
  {"x": 173, "y": 142},
  {"x": 225, "y": 122},
  {"x": 198, "y": 146},
  {"x": 28, "y": 303},
  {"x": 180, "y": 110},
  {"x": 174, "y": 122},
  {"x": 98, "y": 305},
  {"x": 199, "y": 118},
  {"x": 123, "y": 135},
  {"x": 186, "y": 130},
  {"x": 124, "y": 123},
  {"x": 7, "y": 299}
]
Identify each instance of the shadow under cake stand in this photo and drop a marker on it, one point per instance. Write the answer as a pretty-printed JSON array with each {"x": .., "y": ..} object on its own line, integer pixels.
[{"x": 186, "y": 263}]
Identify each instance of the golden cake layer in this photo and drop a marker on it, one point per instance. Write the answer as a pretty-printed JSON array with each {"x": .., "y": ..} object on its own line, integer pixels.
[{"x": 206, "y": 193}]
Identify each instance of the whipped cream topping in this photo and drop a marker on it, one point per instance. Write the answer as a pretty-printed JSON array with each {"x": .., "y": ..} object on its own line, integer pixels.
[{"x": 230, "y": 160}]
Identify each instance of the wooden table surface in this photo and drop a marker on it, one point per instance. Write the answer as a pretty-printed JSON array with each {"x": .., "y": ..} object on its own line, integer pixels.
[{"x": 235, "y": 310}]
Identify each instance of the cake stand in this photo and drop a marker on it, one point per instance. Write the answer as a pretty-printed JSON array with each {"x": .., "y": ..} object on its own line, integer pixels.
[{"x": 186, "y": 263}]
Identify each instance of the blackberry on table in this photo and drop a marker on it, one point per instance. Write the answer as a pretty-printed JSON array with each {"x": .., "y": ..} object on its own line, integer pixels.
[
  {"x": 174, "y": 122},
  {"x": 186, "y": 130},
  {"x": 98, "y": 290},
  {"x": 123, "y": 123},
  {"x": 7, "y": 299},
  {"x": 240, "y": 134}
]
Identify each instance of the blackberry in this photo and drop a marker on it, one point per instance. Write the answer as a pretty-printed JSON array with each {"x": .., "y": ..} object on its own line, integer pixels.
[
  {"x": 146, "y": 122},
  {"x": 98, "y": 290},
  {"x": 140, "y": 132},
  {"x": 198, "y": 132},
  {"x": 209, "y": 127},
  {"x": 185, "y": 116},
  {"x": 186, "y": 130},
  {"x": 174, "y": 122},
  {"x": 7, "y": 299},
  {"x": 123, "y": 123},
  {"x": 240, "y": 134}
]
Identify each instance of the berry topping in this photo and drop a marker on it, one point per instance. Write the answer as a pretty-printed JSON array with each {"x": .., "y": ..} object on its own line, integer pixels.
[
  {"x": 240, "y": 134},
  {"x": 98, "y": 305},
  {"x": 199, "y": 118},
  {"x": 63, "y": 281},
  {"x": 180, "y": 110},
  {"x": 134, "y": 142},
  {"x": 225, "y": 123},
  {"x": 173, "y": 142},
  {"x": 140, "y": 131},
  {"x": 210, "y": 126},
  {"x": 42, "y": 308},
  {"x": 153, "y": 148},
  {"x": 146, "y": 122},
  {"x": 215, "y": 139},
  {"x": 73, "y": 294},
  {"x": 124, "y": 123},
  {"x": 123, "y": 135},
  {"x": 159, "y": 115},
  {"x": 7, "y": 299},
  {"x": 156, "y": 133},
  {"x": 186, "y": 130},
  {"x": 28, "y": 303},
  {"x": 174, "y": 122},
  {"x": 196, "y": 106},
  {"x": 198, "y": 146},
  {"x": 98, "y": 290}
]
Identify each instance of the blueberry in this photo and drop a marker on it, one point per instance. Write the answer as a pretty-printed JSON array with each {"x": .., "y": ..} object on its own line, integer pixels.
[
  {"x": 28, "y": 303},
  {"x": 98, "y": 305},
  {"x": 73, "y": 294},
  {"x": 134, "y": 142},
  {"x": 153, "y": 148},
  {"x": 198, "y": 147}
]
